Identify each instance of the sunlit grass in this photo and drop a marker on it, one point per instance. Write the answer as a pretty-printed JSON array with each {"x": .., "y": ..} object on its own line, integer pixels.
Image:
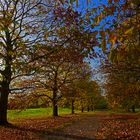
[
  {"x": 35, "y": 113},
  {"x": 46, "y": 112}
]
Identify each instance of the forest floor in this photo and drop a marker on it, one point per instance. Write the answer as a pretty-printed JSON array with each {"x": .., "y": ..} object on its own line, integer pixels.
[{"x": 87, "y": 126}]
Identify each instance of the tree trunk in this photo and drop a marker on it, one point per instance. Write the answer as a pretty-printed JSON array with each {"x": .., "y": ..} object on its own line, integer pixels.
[
  {"x": 72, "y": 106},
  {"x": 4, "y": 92},
  {"x": 88, "y": 108},
  {"x": 92, "y": 108},
  {"x": 55, "y": 107},
  {"x": 133, "y": 108},
  {"x": 82, "y": 109},
  {"x": 6, "y": 79}
]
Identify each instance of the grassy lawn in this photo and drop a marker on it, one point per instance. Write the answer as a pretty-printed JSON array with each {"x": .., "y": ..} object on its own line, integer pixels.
[
  {"x": 43, "y": 112},
  {"x": 35, "y": 113}
]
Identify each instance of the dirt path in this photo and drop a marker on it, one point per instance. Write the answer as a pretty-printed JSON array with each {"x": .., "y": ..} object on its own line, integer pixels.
[{"x": 83, "y": 129}]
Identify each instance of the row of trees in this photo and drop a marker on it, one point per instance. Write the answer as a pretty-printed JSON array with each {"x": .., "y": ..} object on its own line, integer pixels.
[
  {"x": 43, "y": 45},
  {"x": 79, "y": 97},
  {"x": 42, "y": 48}
]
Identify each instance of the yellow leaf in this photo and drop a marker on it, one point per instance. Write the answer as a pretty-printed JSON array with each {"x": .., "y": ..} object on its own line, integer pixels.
[{"x": 129, "y": 31}]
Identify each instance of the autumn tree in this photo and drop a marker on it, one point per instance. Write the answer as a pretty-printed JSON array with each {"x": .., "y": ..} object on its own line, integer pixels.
[
  {"x": 60, "y": 69},
  {"x": 71, "y": 43},
  {"x": 73, "y": 90},
  {"x": 84, "y": 93},
  {"x": 95, "y": 99},
  {"x": 123, "y": 64},
  {"x": 123, "y": 82},
  {"x": 90, "y": 96},
  {"x": 21, "y": 27}
]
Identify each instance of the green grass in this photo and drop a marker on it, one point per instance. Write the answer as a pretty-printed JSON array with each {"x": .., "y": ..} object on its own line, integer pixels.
[
  {"x": 35, "y": 113},
  {"x": 45, "y": 112}
]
